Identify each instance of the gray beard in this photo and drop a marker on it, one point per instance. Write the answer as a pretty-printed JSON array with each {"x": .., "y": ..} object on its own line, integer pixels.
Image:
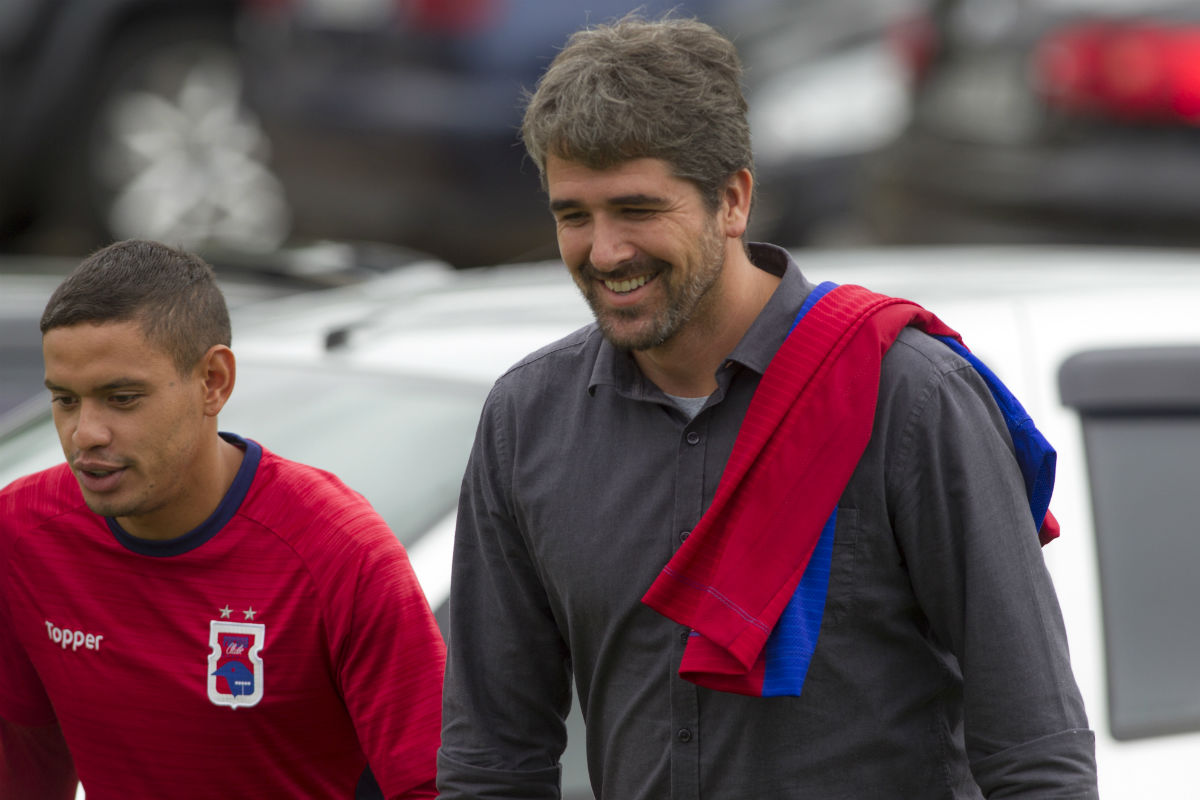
[{"x": 680, "y": 307}]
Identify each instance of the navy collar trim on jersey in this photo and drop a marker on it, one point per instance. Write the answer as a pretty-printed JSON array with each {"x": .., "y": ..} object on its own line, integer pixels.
[{"x": 206, "y": 530}]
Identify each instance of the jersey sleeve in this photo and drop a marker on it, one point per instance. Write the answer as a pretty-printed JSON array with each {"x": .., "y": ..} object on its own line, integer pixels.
[
  {"x": 390, "y": 662},
  {"x": 23, "y": 700},
  {"x": 34, "y": 760}
]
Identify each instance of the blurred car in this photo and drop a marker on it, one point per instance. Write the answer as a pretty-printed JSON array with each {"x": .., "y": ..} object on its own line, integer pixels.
[
  {"x": 826, "y": 89},
  {"x": 23, "y": 295},
  {"x": 400, "y": 120},
  {"x": 382, "y": 382},
  {"x": 1045, "y": 121},
  {"x": 246, "y": 124},
  {"x": 123, "y": 118}
]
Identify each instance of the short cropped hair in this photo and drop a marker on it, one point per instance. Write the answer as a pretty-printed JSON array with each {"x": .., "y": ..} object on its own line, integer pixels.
[
  {"x": 171, "y": 293},
  {"x": 668, "y": 89}
]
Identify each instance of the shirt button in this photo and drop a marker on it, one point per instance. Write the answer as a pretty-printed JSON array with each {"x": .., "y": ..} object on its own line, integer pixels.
[
  {"x": 683, "y": 535},
  {"x": 693, "y": 437},
  {"x": 684, "y": 735}
]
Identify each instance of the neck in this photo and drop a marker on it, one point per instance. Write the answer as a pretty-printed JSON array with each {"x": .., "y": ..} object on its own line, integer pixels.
[
  {"x": 197, "y": 500},
  {"x": 686, "y": 366}
]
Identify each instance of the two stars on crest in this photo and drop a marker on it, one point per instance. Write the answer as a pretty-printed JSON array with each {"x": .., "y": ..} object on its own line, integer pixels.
[{"x": 226, "y": 611}]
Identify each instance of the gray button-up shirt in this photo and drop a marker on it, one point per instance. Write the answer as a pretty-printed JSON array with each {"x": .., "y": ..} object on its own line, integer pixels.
[{"x": 941, "y": 670}]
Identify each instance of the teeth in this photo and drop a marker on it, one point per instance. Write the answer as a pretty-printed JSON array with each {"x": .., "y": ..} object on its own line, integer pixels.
[{"x": 629, "y": 285}]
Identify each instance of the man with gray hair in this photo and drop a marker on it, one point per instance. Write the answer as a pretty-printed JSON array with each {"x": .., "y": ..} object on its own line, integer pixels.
[{"x": 780, "y": 536}]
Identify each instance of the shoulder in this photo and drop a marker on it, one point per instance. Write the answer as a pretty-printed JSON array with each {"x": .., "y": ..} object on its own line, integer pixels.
[
  {"x": 31, "y": 502},
  {"x": 312, "y": 510},
  {"x": 923, "y": 383},
  {"x": 343, "y": 546},
  {"x": 915, "y": 351},
  {"x": 536, "y": 398},
  {"x": 559, "y": 370},
  {"x": 571, "y": 355},
  {"x": 918, "y": 365},
  {"x": 40, "y": 496},
  {"x": 930, "y": 393}
]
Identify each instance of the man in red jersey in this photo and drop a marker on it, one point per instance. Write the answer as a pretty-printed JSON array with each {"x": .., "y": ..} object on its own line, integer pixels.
[{"x": 182, "y": 612}]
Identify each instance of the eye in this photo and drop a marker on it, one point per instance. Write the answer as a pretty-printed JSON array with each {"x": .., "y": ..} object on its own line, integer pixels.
[
  {"x": 638, "y": 213},
  {"x": 64, "y": 401},
  {"x": 572, "y": 218},
  {"x": 123, "y": 399}
]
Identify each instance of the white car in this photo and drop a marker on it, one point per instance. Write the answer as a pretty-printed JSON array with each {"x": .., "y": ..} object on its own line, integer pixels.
[{"x": 381, "y": 382}]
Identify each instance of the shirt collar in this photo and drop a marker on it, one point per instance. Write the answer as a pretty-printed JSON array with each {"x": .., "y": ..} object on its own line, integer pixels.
[
  {"x": 225, "y": 511},
  {"x": 617, "y": 368}
]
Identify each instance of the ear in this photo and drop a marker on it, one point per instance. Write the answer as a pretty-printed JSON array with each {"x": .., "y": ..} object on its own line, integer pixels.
[
  {"x": 218, "y": 371},
  {"x": 735, "y": 203}
]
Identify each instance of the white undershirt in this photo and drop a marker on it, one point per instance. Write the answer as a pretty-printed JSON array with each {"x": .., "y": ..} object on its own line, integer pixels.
[{"x": 689, "y": 405}]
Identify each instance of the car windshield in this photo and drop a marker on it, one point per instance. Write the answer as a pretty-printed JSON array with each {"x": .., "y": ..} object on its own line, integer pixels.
[{"x": 401, "y": 441}]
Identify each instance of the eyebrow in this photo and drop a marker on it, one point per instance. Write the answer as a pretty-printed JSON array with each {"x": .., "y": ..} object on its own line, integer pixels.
[
  {"x": 620, "y": 200},
  {"x": 119, "y": 383}
]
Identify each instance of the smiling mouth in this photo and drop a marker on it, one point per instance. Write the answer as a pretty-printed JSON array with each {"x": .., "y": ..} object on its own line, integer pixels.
[{"x": 626, "y": 286}]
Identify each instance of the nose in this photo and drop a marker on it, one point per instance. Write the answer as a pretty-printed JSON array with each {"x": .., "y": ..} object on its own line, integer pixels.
[
  {"x": 610, "y": 247},
  {"x": 91, "y": 428}
]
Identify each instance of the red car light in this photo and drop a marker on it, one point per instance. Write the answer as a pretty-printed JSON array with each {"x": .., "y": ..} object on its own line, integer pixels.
[
  {"x": 1134, "y": 71},
  {"x": 448, "y": 16},
  {"x": 914, "y": 41},
  {"x": 442, "y": 17}
]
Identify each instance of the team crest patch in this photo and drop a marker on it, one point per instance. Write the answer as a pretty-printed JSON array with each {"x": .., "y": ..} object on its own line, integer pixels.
[{"x": 235, "y": 668}]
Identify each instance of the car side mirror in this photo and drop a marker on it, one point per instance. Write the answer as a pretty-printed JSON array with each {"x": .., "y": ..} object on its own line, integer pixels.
[{"x": 1140, "y": 414}]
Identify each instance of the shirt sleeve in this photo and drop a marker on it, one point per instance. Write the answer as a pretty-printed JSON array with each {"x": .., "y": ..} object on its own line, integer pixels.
[
  {"x": 508, "y": 686},
  {"x": 23, "y": 699},
  {"x": 964, "y": 525},
  {"x": 35, "y": 762},
  {"x": 390, "y": 670}
]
